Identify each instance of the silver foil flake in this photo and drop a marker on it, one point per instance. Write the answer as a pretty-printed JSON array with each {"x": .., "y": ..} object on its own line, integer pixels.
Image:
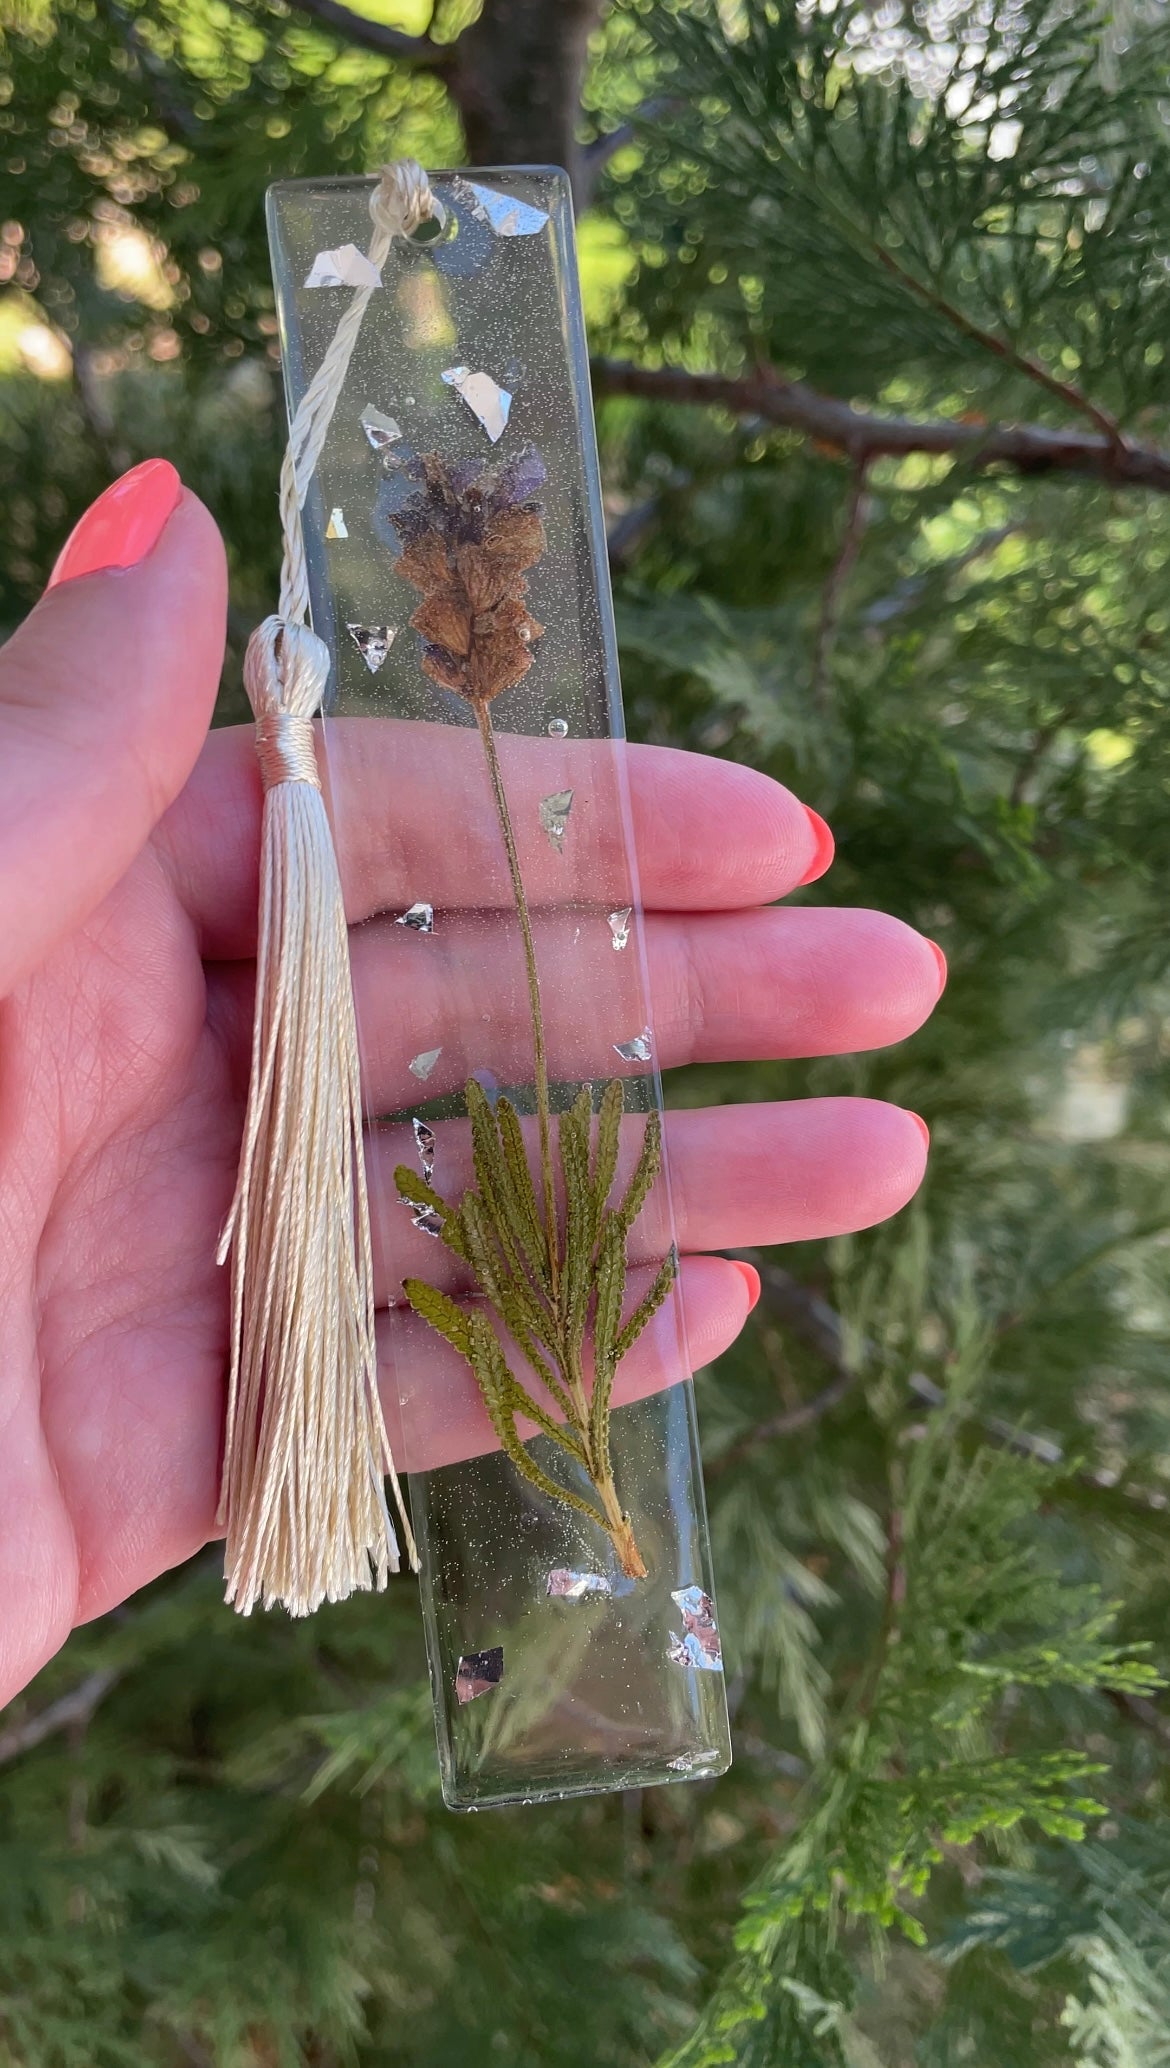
[
  {"x": 425, "y": 1218},
  {"x": 478, "y": 1673},
  {"x": 423, "y": 1063},
  {"x": 699, "y": 1644},
  {"x": 335, "y": 529},
  {"x": 345, "y": 267},
  {"x": 419, "y": 918},
  {"x": 424, "y": 1142},
  {"x": 379, "y": 429},
  {"x": 692, "y": 1762},
  {"x": 564, "y": 1585},
  {"x": 507, "y": 216},
  {"x": 554, "y": 816},
  {"x": 373, "y": 642},
  {"x": 639, "y": 1050},
  {"x": 484, "y": 398},
  {"x": 619, "y": 926},
  {"x": 558, "y": 728}
]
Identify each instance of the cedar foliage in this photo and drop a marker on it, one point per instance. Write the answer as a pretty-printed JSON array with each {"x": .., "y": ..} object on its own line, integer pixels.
[{"x": 938, "y": 1457}]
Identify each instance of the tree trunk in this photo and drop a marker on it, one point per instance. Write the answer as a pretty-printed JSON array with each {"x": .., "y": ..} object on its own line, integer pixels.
[{"x": 516, "y": 78}]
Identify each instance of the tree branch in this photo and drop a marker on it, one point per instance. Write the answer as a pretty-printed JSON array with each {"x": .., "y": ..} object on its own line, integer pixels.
[
  {"x": 1001, "y": 349},
  {"x": 813, "y": 1318},
  {"x": 395, "y": 43},
  {"x": 67, "y": 1713},
  {"x": 833, "y": 594},
  {"x": 861, "y": 436}
]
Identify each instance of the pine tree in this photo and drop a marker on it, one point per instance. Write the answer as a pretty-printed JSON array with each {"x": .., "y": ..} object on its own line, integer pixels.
[{"x": 880, "y": 303}]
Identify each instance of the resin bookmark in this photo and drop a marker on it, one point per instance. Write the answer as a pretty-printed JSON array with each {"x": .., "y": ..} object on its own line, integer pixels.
[{"x": 523, "y": 1238}]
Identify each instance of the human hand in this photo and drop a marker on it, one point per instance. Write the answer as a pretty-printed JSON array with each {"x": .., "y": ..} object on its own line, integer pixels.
[{"x": 128, "y": 860}]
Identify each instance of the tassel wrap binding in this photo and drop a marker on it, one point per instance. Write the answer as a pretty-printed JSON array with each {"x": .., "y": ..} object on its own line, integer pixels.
[{"x": 306, "y": 1450}]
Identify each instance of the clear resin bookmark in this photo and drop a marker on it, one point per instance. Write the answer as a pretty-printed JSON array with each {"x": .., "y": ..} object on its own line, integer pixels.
[{"x": 524, "y": 1248}]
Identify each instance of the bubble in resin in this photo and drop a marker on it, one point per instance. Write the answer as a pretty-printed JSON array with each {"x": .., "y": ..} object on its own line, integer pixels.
[{"x": 558, "y": 728}]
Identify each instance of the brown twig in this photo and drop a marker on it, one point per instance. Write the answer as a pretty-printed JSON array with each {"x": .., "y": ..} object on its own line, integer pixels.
[
  {"x": 395, "y": 43},
  {"x": 787, "y": 1424},
  {"x": 69, "y": 1712},
  {"x": 862, "y": 436},
  {"x": 821, "y": 1326},
  {"x": 1000, "y": 348},
  {"x": 832, "y": 595}
]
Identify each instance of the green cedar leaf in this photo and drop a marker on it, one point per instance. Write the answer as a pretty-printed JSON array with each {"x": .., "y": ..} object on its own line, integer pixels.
[
  {"x": 440, "y": 1312},
  {"x": 609, "y": 1121},
  {"x": 611, "y": 1286},
  {"x": 580, "y": 1220},
  {"x": 495, "y": 1383},
  {"x": 509, "y": 1193},
  {"x": 645, "y": 1171},
  {"x": 648, "y": 1307},
  {"x": 523, "y": 1190}
]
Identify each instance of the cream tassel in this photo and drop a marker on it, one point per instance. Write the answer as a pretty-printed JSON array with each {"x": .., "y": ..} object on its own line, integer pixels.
[{"x": 306, "y": 1448}]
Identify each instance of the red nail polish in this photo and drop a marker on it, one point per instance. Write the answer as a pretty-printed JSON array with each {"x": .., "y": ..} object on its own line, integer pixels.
[
  {"x": 124, "y": 523},
  {"x": 920, "y": 1124},
  {"x": 751, "y": 1279},
  {"x": 941, "y": 960},
  {"x": 825, "y": 849}
]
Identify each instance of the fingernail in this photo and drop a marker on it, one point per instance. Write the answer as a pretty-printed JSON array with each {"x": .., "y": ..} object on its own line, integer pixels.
[
  {"x": 751, "y": 1279},
  {"x": 920, "y": 1124},
  {"x": 124, "y": 523},
  {"x": 825, "y": 850},
  {"x": 941, "y": 960}
]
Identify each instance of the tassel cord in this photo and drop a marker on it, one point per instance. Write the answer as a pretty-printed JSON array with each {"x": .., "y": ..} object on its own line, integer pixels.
[{"x": 306, "y": 1453}]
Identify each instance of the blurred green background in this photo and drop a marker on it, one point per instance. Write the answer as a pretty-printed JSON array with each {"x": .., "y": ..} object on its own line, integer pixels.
[{"x": 880, "y": 298}]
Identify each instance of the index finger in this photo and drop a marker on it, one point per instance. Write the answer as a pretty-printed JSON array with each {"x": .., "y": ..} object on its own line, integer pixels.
[{"x": 415, "y": 822}]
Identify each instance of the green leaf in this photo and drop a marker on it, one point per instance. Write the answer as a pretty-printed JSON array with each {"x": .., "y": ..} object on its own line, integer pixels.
[
  {"x": 609, "y": 1122},
  {"x": 441, "y": 1312},
  {"x": 645, "y": 1171},
  {"x": 611, "y": 1286},
  {"x": 648, "y": 1307},
  {"x": 523, "y": 1192},
  {"x": 580, "y": 1221},
  {"x": 509, "y": 1193},
  {"x": 495, "y": 1383},
  {"x": 416, "y": 1190}
]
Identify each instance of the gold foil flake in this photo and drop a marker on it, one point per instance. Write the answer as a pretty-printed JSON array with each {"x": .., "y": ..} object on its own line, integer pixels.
[
  {"x": 345, "y": 267},
  {"x": 554, "y": 816},
  {"x": 373, "y": 642},
  {"x": 507, "y": 216},
  {"x": 424, "y": 1142},
  {"x": 619, "y": 926},
  {"x": 564, "y": 1585},
  {"x": 423, "y": 1063},
  {"x": 419, "y": 918},
  {"x": 478, "y": 1673},
  {"x": 484, "y": 397},
  {"x": 335, "y": 529},
  {"x": 380, "y": 430},
  {"x": 699, "y": 1644},
  {"x": 558, "y": 728},
  {"x": 639, "y": 1050}
]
